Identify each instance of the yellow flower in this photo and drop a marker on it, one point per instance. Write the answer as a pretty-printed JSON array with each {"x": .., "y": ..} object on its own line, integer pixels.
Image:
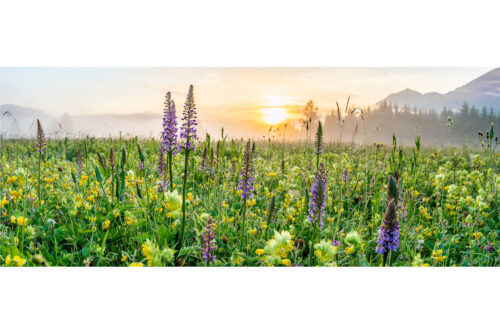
[
  {"x": 105, "y": 225},
  {"x": 8, "y": 260},
  {"x": 286, "y": 262},
  {"x": 437, "y": 256},
  {"x": 259, "y": 252},
  {"x": 477, "y": 235},
  {"x": 124, "y": 258},
  {"x": 136, "y": 264},
  {"x": 21, "y": 221},
  {"x": 3, "y": 202},
  {"x": 19, "y": 261},
  {"x": 12, "y": 179},
  {"x": 350, "y": 250},
  {"x": 272, "y": 174},
  {"x": 189, "y": 197},
  {"x": 252, "y": 231},
  {"x": 224, "y": 204}
]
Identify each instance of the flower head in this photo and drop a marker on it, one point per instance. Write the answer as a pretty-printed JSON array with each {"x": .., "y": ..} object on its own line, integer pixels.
[
  {"x": 246, "y": 174},
  {"x": 40, "y": 137},
  {"x": 112, "y": 158},
  {"x": 189, "y": 122},
  {"x": 169, "y": 134},
  {"x": 345, "y": 176},
  {"x": 318, "y": 140},
  {"x": 317, "y": 203},
  {"x": 392, "y": 189},
  {"x": 209, "y": 243},
  {"x": 271, "y": 211},
  {"x": 388, "y": 235}
]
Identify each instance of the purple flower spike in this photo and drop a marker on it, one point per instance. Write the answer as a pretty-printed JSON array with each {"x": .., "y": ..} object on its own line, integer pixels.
[
  {"x": 345, "y": 176},
  {"x": 169, "y": 134},
  {"x": 209, "y": 244},
  {"x": 246, "y": 174},
  {"x": 188, "y": 128},
  {"x": 388, "y": 235},
  {"x": 317, "y": 203}
]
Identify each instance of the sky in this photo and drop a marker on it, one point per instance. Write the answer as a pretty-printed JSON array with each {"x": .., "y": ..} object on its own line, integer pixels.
[{"x": 229, "y": 97}]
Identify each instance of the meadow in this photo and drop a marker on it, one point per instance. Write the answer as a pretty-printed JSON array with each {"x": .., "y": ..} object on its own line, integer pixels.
[{"x": 184, "y": 201}]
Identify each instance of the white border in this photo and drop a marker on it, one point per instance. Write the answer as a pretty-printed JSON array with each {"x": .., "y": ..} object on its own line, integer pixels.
[{"x": 256, "y": 33}]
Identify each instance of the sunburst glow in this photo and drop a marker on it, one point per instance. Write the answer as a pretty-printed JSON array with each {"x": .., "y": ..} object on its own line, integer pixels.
[{"x": 274, "y": 116}]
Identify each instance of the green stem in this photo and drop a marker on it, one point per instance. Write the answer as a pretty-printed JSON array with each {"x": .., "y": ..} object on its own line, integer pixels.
[
  {"x": 39, "y": 178},
  {"x": 184, "y": 183},
  {"x": 243, "y": 223},
  {"x": 171, "y": 179}
]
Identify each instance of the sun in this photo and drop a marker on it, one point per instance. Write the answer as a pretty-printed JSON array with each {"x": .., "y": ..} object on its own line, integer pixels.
[{"x": 274, "y": 116}]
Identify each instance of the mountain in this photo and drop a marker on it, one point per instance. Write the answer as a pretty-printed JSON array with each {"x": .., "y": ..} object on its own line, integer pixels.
[
  {"x": 481, "y": 92},
  {"x": 20, "y": 121}
]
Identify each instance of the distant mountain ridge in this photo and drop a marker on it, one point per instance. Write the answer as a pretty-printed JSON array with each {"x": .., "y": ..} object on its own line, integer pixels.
[
  {"x": 481, "y": 92},
  {"x": 19, "y": 121}
]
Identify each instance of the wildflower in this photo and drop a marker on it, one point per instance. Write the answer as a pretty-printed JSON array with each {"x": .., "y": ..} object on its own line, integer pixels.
[
  {"x": 259, "y": 252},
  {"x": 246, "y": 174},
  {"x": 19, "y": 261},
  {"x": 437, "y": 256},
  {"x": 136, "y": 264},
  {"x": 350, "y": 250},
  {"x": 317, "y": 203},
  {"x": 40, "y": 138},
  {"x": 354, "y": 240},
  {"x": 105, "y": 225},
  {"x": 286, "y": 262},
  {"x": 477, "y": 235},
  {"x": 392, "y": 190},
  {"x": 278, "y": 248},
  {"x": 388, "y": 237},
  {"x": 156, "y": 257},
  {"x": 111, "y": 158},
  {"x": 209, "y": 243},
  {"x": 3, "y": 202},
  {"x": 345, "y": 176},
  {"x": 123, "y": 258},
  {"x": 325, "y": 253},
  {"x": 169, "y": 134},
  {"x": 318, "y": 140},
  {"x": 419, "y": 262},
  {"x": 271, "y": 211},
  {"x": 188, "y": 128},
  {"x": 489, "y": 248},
  {"x": 8, "y": 260}
]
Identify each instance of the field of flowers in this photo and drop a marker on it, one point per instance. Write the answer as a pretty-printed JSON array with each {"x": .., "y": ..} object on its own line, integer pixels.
[{"x": 184, "y": 201}]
